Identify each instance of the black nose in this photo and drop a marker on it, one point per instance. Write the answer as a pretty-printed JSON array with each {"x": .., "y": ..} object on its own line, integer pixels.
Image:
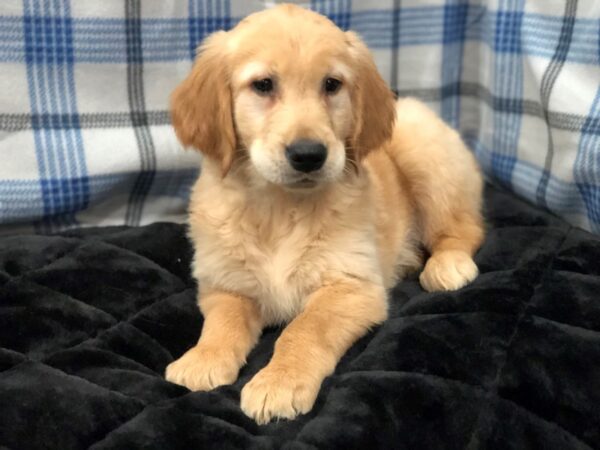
[{"x": 306, "y": 155}]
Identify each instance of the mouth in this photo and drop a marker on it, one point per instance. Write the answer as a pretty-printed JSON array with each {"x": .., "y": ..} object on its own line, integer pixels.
[{"x": 303, "y": 183}]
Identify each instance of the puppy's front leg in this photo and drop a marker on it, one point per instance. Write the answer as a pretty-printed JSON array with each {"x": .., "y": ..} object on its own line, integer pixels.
[
  {"x": 232, "y": 325},
  {"x": 308, "y": 350}
]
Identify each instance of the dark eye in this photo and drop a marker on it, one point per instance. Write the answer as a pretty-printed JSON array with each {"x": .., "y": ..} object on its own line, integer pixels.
[
  {"x": 263, "y": 86},
  {"x": 332, "y": 85}
]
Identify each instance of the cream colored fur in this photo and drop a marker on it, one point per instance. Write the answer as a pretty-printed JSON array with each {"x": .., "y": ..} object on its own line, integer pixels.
[{"x": 318, "y": 259}]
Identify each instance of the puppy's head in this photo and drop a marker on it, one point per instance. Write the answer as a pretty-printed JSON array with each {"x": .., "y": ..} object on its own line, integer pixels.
[{"x": 300, "y": 97}]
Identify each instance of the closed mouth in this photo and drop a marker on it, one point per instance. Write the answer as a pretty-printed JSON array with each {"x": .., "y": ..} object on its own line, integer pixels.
[{"x": 303, "y": 183}]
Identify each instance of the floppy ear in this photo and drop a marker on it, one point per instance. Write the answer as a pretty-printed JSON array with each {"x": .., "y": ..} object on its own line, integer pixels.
[
  {"x": 201, "y": 108},
  {"x": 374, "y": 106}
]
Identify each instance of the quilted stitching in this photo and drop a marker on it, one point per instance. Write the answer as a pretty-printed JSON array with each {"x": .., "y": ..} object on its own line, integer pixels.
[{"x": 505, "y": 361}]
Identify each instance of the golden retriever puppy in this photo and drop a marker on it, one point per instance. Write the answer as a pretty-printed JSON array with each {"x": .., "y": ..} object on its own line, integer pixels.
[{"x": 317, "y": 193}]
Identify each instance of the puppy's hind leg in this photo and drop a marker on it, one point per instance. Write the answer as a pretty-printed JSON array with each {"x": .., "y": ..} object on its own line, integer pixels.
[
  {"x": 452, "y": 246},
  {"x": 446, "y": 186}
]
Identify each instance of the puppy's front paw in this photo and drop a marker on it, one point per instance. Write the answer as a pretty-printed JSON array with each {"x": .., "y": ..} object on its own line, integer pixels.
[
  {"x": 203, "y": 369},
  {"x": 275, "y": 393},
  {"x": 448, "y": 270}
]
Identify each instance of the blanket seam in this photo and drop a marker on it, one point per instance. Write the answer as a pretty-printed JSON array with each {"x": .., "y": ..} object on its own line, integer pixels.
[
  {"x": 120, "y": 322},
  {"x": 81, "y": 241},
  {"x": 98, "y": 332},
  {"x": 522, "y": 314}
]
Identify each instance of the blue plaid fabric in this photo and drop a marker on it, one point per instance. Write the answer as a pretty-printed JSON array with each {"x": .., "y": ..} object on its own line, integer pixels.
[{"x": 84, "y": 129}]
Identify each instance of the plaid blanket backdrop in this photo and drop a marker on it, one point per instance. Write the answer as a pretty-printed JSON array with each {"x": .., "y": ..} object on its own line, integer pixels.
[{"x": 84, "y": 84}]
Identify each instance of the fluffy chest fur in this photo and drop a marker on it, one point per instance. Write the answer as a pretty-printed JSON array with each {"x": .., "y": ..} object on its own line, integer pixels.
[{"x": 277, "y": 249}]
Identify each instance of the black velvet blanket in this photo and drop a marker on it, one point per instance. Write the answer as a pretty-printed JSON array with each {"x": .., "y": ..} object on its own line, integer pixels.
[{"x": 89, "y": 319}]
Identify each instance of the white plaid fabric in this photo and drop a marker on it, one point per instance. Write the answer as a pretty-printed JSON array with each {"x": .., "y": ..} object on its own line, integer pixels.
[{"x": 84, "y": 129}]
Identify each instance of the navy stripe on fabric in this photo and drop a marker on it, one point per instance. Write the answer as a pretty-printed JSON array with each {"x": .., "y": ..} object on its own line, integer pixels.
[
  {"x": 586, "y": 170},
  {"x": 557, "y": 120},
  {"x": 23, "y": 121},
  {"x": 562, "y": 121},
  {"x": 135, "y": 91},
  {"x": 508, "y": 83},
  {"x": 395, "y": 44},
  {"x": 562, "y": 195},
  {"x": 99, "y": 40},
  {"x": 546, "y": 86},
  {"x": 455, "y": 17},
  {"x": 204, "y": 18},
  {"x": 48, "y": 46},
  {"x": 17, "y": 200}
]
